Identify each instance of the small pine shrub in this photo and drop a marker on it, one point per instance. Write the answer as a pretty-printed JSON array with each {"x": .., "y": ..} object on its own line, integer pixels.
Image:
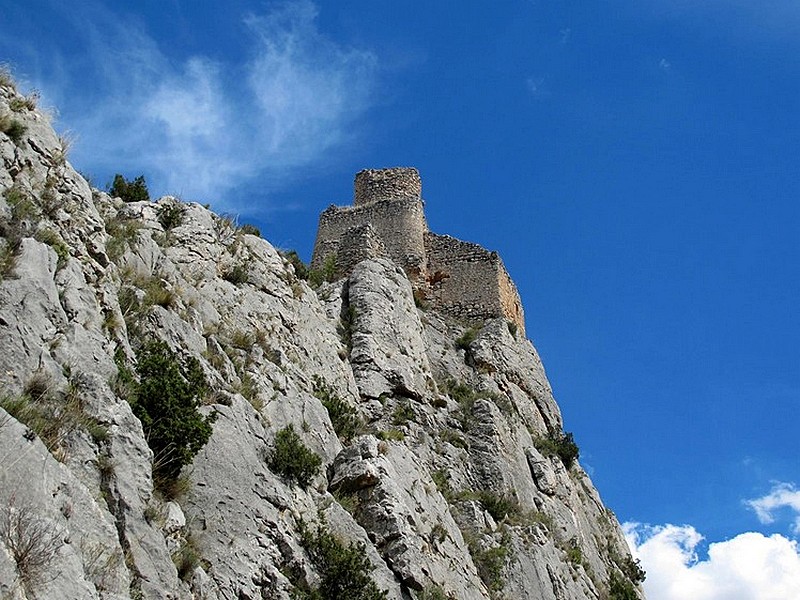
[
  {"x": 292, "y": 459},
  {"x": 344, "y": 570},
  {"x": 620, "y": 588},
  {"x": 165, "y": 400},
  {"x": 490, "y": 562},
  {"x": 561, "y": 444},
  {"x": 344, "y": 418},
  {"x": 465, "y": 396},
  {"x": 129, "y": 191},
  {"x": 633, "y": 570}
]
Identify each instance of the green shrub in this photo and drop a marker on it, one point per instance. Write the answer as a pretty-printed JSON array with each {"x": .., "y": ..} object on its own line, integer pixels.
[
  {"x": 21, "y": 103},
  {"x": 123, "y": 234},
  {"x": 52, "y": 239},
  {"x": 328, "y": 272},
  {"x": 633, "y": 570},
  {"x": 621, "y": 589},
  {"x": 500, "y": 506},
  {"x": 344, "y": 418},
  {"x": 300, "y": 268},
  {"x": 237, "y": 275},
  {"x": 165, "y": 400},
  {"x": 292, "y": 459},
  {"x": 560, "y": 444},
  {"x": 13, "y": 128},
  {"x": 21, "y": 202},
  {"x": 465, "y": 396},
  {"x": 574, "y": 553},
  {"x": 344, "y": 570},
  {"x": 463, "y": 342},
  {"x": 403, "y": 413},
  {"x": 250, "y": 230},
  {"x": 391, "y": 435},
  {"x": 345, "y": 327},
  {"x": 491, "y": 561},
  {"x": 433, "y": 592},
  {"x": 129, "y": 191},
  {"x": 187, "y": 558},
  {"x": 171, "y": 215}
]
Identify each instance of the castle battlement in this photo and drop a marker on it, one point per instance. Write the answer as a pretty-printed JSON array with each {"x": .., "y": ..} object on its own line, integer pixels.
[
  {"x": 372, "y": 185},
  {"x": 387, "y": 219}
]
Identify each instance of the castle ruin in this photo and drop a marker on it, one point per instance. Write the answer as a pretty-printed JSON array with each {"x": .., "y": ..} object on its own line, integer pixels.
[{"x": 387, "y": 219}]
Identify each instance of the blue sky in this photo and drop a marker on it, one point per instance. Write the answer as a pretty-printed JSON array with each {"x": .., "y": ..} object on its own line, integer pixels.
[{"x": 634, "y": 162}]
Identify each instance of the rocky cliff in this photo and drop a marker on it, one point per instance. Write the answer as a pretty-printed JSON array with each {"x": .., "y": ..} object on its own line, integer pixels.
[{"x": 442, "y": 470}]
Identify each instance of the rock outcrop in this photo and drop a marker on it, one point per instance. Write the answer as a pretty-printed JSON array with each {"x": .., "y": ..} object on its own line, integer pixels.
[{"x": 449, "y": 481}]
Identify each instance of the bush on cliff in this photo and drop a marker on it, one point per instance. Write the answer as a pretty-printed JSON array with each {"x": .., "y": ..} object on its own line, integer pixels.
[
  {"x": 561, "y": 444},
  {"x": 129, "y": 191},
  {"x": 344, "y": 571},
  {"x": 165, "y": 399},
  {"x": 293, "y": 459}
]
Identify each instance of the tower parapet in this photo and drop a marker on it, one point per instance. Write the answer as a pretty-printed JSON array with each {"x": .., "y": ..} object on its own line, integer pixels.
[{"x": 372, "y": 185}]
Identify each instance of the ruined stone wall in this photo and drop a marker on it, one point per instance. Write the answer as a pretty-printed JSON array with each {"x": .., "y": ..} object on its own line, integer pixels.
[
  {"x": 372, "y": 185},
  {"x": 359, "y": 244},
  {"x": 469, "y": 282},
  {"x": 458, "y": 278},
  {"x": 399, "y": 223}
]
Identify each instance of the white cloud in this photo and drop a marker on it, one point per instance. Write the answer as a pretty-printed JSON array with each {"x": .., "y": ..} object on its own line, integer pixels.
[
  {"x": 782, "y": 496},
  {"x": 199, "y": 127},
  {"x": 751, "y": 566}
]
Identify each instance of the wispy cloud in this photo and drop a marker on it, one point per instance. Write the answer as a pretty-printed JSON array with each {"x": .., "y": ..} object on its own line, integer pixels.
[
  {"x": 751, "y": 566},
  {"x": 200, "y": 127},
  {"x": 537, "y": 87},
  {"x": 783, "y": 496}
]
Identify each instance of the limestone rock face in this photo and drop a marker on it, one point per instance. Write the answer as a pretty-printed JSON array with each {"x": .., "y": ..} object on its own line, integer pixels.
[{"x": 445, "y": 485}]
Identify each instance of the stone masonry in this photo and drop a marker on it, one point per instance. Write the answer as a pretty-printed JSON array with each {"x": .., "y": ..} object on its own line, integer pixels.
[{"x": 387, "y": 219}]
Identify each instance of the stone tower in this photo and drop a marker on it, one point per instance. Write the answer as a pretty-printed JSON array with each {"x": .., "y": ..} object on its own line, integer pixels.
[{"x": 387, "y": 219}]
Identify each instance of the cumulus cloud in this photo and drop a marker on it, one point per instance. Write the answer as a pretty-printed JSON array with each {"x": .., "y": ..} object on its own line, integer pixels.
[
  {"x": 199, "y": 127},
  {"x": 751, "y": 566},
  {"x": 783, "y": 496}
]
